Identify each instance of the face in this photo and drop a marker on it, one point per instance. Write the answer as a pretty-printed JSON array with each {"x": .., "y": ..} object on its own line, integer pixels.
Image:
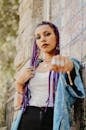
[{"x": 45, "y": 38}]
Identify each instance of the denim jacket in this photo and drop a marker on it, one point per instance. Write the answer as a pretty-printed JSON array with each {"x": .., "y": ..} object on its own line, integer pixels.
[{"x": 65, "y": 98}]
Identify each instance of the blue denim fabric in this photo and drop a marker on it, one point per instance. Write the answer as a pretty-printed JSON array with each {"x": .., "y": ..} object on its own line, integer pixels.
[
  {"x": 16, "y": 121},
  {"x": 65, "y": 98}
]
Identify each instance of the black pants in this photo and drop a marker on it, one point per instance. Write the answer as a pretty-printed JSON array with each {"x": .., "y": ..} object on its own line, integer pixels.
[{"x": 36, "y": 118}]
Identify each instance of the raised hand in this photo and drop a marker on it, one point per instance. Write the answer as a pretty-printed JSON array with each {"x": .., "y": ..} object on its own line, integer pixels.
[
  {"x": 25, "y": 75},
  {"x": 61, "y": 63}
]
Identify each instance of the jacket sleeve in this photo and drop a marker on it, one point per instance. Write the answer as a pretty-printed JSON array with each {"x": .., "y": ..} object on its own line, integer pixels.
[
  {"x": 77, "y": 89},
  {"x": 65, "y": 97}
]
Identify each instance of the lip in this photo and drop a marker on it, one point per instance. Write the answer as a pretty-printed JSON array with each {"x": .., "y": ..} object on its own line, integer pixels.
[{"x": 44, "y": 45}]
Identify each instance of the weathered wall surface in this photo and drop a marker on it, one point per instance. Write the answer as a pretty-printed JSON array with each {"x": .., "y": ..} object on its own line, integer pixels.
[{"x": 69, "y": 16}]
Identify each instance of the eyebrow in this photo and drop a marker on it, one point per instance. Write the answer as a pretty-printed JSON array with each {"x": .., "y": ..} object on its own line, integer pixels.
[{"x": 43, "y": 32}]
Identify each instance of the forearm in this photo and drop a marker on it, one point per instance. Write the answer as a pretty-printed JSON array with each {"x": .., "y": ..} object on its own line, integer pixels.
[
  {"x": 18, "y": 98},
  {"x": 19, "y": 87}
]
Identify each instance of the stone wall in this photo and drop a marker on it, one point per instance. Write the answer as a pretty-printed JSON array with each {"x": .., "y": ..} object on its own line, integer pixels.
[{"x": 69, "y": 16}]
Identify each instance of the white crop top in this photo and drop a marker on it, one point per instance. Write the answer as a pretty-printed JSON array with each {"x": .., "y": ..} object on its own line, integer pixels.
[{"x": 39, "y": 90}]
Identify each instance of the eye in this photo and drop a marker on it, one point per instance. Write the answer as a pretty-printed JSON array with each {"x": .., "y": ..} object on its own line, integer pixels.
[
  {"x": 37, "y": 37},
  {"x": 47, "y": 34}
]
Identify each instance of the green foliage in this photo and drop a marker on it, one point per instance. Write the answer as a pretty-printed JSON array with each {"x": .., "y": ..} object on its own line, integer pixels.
[
  {"x": 8, "y": 19},
  {"x": 8, "y": 31}
]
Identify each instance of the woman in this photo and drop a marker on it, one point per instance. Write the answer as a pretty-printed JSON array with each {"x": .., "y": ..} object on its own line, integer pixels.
[{"x": 47, "y": 87}]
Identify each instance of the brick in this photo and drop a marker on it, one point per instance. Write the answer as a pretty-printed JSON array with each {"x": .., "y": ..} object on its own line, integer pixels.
[
  {"x": 84, "y": 50},
  {"x": 66, "y": 33},
  {"x": 76, "y": 25},
  {"x": 46, "y": 10},
  {"x": 84, "y": 3},
  {"x": 84, "y": 47},
  {"x": 66, "y": 16},
  {"x": 25, "y": 21},
  {"x": 84, "y": 76},
  {"x": 65, "y": 3},
  {"x": 84, "y": 18},
  {"x": 65, "y": 50},
  {"x": 25, "y": 5},
  {"x": 76, "y": 6},
  {"x": 37, "y": 9},
  {"x": 54, "y": 8},
  {"x": 75, "y": 49}
]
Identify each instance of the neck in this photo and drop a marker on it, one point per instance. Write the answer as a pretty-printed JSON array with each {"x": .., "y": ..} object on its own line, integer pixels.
[{"x": 48, "y": 57}]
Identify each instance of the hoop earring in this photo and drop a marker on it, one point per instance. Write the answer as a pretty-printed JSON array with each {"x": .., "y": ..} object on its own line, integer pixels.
[{"x": 57, "y": 48}]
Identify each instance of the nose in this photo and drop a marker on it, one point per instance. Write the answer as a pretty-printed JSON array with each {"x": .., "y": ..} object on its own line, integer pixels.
[{"x": 43, "y": 39}]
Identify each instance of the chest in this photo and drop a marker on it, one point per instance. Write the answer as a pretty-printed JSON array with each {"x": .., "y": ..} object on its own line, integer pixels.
[{"x": 43, "y": 67}]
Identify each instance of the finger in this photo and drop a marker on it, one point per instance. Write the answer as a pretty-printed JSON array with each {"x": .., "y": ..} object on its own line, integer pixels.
[
  {"x": 31, "y": 76},
  {"x": 27, "y": 77},
  {"x": 61, "y": 63},
  {"x": 30, "y": 70},
  {"x": 57, "y": 63},
  {"x": 67, "y": 65},
  {"x": 28, "y": 73},
  {"x": 54, "y": 68}
]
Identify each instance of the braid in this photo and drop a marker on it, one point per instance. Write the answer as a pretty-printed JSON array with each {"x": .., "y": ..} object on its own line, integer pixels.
[{"x": 35, "y": 55}]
